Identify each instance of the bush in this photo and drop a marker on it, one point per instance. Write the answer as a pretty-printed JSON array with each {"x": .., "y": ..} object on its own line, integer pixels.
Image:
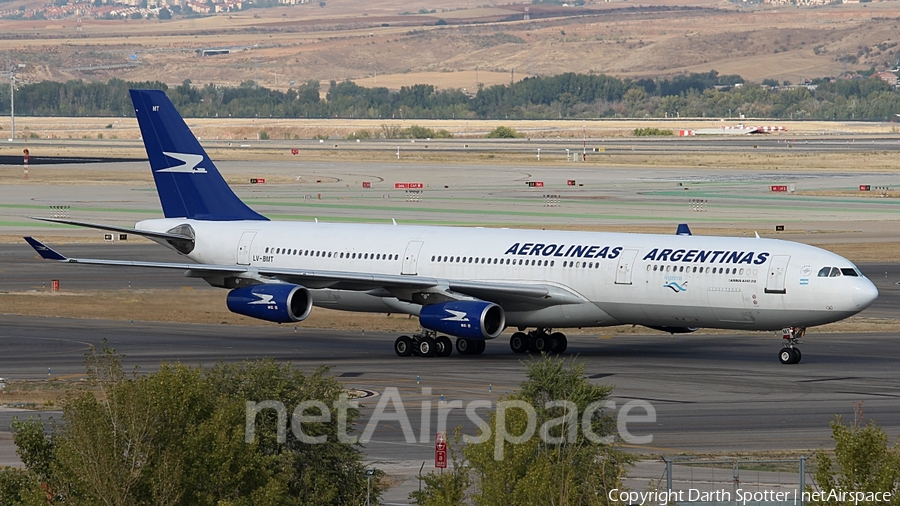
[
  {"x": 362, "y": 134},
  {"x": 413, "y": 132},
  {"x": 564, "y": 468},
  {"x": 177, "y": 437},
  {"x": 263, "y": 135},
  {"x": 652, "y": 132},
  {"x": 502, "y": 132},
  {"x": 863, "y": 461}
]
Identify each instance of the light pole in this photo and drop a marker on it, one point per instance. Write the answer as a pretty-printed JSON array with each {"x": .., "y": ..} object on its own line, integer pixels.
[
  {"x": 369, "y": 474},
  {"x": 12, "y": 99},
  {"x": 12, "y": 105}
]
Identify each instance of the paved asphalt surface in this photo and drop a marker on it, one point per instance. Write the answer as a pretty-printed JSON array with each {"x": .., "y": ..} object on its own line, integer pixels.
[{"x": 710, "y": 393}]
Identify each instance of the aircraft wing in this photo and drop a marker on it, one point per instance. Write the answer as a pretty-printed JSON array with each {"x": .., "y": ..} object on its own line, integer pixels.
[{"x": 513, "y": 296}]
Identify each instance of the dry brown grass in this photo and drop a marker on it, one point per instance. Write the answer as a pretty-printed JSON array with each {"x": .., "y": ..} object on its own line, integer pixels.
[
  {"x": 207, "y": 306},
  {"x": 347, "y": 40},
  {"x": 184, "y": 305},
  {"x": 72, "y": 136}
]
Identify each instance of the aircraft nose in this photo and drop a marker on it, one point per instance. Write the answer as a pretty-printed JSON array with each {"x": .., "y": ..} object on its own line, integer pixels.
[{"x": 864, "y": 293}]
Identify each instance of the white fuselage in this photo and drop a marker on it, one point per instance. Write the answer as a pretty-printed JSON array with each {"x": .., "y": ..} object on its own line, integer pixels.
[{"x": 653, "y": 280}]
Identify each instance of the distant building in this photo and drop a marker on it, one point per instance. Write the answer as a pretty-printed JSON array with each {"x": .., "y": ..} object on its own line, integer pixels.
[
  {"x": 890, "y": 77},
  {"x": 802, "y": 2}
]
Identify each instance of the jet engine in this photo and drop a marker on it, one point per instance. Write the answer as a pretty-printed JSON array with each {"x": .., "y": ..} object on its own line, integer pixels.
[
  {"x": 466, "y": 319},
  {"x": 280, "y": 303}
]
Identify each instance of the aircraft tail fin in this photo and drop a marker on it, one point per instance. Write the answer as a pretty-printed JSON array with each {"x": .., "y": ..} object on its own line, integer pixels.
[
  {"x": 188, "y": 183},
  {"x": 683, "y": 229}
]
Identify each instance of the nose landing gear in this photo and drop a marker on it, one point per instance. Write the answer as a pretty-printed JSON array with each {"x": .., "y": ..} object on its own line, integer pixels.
[{"x": 790, "y": 354}]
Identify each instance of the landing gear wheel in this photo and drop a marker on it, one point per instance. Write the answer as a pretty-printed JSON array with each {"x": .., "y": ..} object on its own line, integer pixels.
[
  {"x": 785, "y": 356},
  {"x": 464, "y": 346},
  {"x": 789, "y": 356},
  {"x": 560, "y": 343},
  {"x": 444, "y": 346},
  {"x": 403, "y": 346},
  {"x": 479, "y": 348},
  {"x": 427, "y": 347},
  {"x": 541, "y": 343},
  {"x": 519, "y": 342}
]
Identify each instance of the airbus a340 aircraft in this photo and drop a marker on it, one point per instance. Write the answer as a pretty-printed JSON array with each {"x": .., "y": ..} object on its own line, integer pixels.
[{"x": 472, "y": 283}]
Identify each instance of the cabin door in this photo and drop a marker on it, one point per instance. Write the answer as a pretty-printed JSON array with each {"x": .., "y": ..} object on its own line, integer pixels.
[
  {"x": 411, "y": 258},
  {"x": 776, "y": 274},
  {"x": 625, "y": 267},
  {"x": 243, "y": 251}
]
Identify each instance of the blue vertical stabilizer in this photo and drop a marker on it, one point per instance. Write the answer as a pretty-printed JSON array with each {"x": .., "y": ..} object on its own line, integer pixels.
[
  {"x": 683, "y": 229},
  {"x": 188, "y": 183}
]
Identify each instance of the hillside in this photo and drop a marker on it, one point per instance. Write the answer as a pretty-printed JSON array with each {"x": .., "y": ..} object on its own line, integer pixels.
[{"x": 355, "y": 39}]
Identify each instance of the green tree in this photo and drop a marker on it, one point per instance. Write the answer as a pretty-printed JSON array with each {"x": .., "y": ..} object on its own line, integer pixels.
[
  {"x": 447, "y": 488},
  {"x": 177, "y": 437},
  {"x": 635, "y": 97},
  {"x": 863, "y": 461},
  {"x": 569, "y": 459},
  {"x": 502, "y": 132},
  {"x": 19, "y": 487}
]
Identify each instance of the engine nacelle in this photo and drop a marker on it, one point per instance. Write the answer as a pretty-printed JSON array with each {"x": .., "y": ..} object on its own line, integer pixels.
[
  {"x": 675, "y": 330},
  {"x": 280, "y": 303},
  {"x": 466, "y": 319}
]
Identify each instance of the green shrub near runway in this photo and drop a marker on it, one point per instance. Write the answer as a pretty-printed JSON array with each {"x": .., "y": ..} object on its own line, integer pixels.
[
  {"x": 652, "y": 132},
  {"x": 567, "y": 463},
  {"x": 863, "y": 463},
  {"x": 502, "y": 132},
  {"x": 177, "y": 437}
]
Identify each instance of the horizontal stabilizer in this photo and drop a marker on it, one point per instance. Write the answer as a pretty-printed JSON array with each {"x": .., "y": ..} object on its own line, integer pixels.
[
  {"x": 143, "y": 233},
  {"x": 43, "y": 250}
]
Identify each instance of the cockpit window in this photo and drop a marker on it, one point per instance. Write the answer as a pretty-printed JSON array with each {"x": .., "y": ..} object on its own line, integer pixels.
[
  {"x": 847, "y": 271},
  {"x": 835, "y": 272},
  {"x": 823, "y": 272}
]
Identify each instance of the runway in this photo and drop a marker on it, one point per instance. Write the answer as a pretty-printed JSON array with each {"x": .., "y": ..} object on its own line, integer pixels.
[
  {"x": 826, "y": 141},
  {"x": 484, "y": 194},
  {"x": 710, "y": 393},
  {"x": 730, "y": 389}
]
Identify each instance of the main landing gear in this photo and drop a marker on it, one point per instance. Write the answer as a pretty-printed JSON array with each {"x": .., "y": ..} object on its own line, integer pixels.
[
  {"x": 539, "y": 340},
  {"x": 429, "y": 344},
  {"x": 790, "y": 354}
]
